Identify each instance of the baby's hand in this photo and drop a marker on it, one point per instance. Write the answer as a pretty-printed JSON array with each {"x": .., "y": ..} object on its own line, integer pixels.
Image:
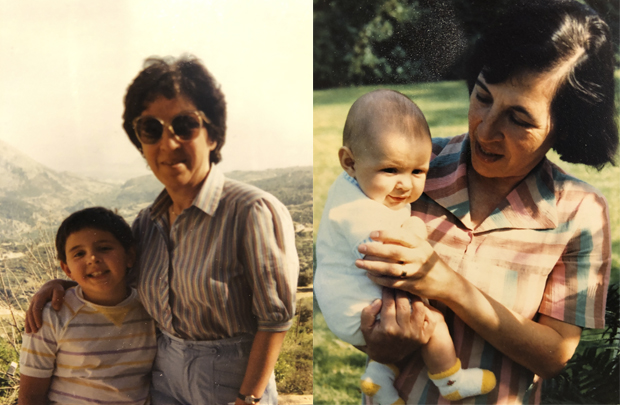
[{"x": 416, "y": 226}]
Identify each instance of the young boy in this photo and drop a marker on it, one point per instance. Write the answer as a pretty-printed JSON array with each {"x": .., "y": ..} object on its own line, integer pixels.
[
  {"x": 385, "y": 156},
  {"x": 99, "y": 348}
]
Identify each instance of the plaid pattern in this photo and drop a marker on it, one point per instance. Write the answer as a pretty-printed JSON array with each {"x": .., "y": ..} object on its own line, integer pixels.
[
  {"x": 227, "y": 267},
  {"x": 546, "y": 249}
]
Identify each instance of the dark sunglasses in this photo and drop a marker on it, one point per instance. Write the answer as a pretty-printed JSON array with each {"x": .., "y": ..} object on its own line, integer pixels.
[{"x": 184, "y": 126}]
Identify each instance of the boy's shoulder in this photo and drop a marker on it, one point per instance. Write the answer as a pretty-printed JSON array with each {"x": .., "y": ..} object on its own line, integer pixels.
[{"x": 71, "y": 305}]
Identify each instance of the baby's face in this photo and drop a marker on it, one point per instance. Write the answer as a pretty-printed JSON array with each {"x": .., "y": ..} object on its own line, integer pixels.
[{"x": 391, "y": 168}]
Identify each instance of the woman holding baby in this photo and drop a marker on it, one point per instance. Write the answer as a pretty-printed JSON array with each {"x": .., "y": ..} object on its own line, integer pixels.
[{"x": 518, "y": 253}]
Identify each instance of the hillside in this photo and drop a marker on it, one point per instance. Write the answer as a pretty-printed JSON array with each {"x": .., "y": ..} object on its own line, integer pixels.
[{"x": 33, "y": 196}]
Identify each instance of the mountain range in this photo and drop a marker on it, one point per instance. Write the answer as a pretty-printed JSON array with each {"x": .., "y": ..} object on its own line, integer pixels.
[{"x": 33, "y": 196}]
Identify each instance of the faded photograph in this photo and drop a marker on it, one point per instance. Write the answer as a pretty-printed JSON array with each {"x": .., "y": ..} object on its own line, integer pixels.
[
  {"x": 156, "y": 202},
  {"x": 465, "y": 202}
]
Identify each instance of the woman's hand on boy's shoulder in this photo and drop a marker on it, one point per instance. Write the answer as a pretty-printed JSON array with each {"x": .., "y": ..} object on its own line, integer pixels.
[{"x": 54, "y": 291}]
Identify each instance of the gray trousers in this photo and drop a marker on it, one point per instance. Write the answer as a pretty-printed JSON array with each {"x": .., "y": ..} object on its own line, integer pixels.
[{"x": 188, "y": 372}]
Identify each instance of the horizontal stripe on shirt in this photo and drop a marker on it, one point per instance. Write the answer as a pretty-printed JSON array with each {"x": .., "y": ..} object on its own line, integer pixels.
[{"x": 110, "y": 363}]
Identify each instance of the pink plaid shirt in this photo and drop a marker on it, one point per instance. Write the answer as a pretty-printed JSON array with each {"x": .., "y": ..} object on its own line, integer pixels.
[{"x": 546, "y": 249}]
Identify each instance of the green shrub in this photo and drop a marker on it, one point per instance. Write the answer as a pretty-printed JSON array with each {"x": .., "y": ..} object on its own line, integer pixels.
[
  {"x": 294, "y": 367},
  {"x": 592, "y": 375}
]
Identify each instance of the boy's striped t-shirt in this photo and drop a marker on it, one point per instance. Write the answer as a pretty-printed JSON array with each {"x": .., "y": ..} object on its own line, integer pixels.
[{"x": 94, "y": 354}]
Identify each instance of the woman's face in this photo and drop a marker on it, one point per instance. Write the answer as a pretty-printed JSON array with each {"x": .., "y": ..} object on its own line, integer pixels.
[
  {"x": 510, "y": 124},
  {"x": 180, "y": 166}
]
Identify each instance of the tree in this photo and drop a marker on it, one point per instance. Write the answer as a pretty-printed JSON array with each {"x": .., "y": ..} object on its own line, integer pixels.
[{"x": 405, "y": 41}]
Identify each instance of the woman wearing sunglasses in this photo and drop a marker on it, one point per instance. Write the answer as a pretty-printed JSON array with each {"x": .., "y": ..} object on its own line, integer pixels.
[{"x": 218, "y": 266}]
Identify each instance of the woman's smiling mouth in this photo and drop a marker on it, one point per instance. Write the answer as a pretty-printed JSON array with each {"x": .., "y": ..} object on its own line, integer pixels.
[{"x": 484, "y": 155}]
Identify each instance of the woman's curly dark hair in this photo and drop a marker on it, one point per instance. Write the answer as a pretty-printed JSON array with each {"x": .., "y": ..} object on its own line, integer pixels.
[
  {"x": 170, "y": 77},
  {"x": 539, "y": 35}
]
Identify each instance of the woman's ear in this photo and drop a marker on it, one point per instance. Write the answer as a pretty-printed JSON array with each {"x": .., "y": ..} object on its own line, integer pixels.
[
  {"x": 131, "y": 257},
  {"x": 66, "y": 269},
  {"x": 347, "y": 161}
]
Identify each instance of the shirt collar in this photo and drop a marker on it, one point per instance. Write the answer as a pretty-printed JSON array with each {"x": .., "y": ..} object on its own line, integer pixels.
[
  {"x": 531, "y": 205},
  {"x": 207, "y": 200},
  {"x": 351, "y": 180}
]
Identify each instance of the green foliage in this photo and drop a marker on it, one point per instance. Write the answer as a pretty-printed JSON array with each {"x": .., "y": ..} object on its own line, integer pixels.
[
  {"x": 338, "y": 367},
  {"x": 8, "y": 353},
  {"x": 305, "y": 253},
  {"x": 294, "y": 367},
  {"x": 388, "y": 41},
  {"x": 592, "y": 375},
  {"x": 405, "y": 41}
]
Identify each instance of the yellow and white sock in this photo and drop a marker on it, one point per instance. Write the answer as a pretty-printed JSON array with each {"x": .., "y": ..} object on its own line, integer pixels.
[
  {"x": 378, "y": 383},
  {"x": 457, "y": 383}
]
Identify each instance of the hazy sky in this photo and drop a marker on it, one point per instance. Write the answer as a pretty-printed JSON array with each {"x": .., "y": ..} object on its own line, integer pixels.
[{"x": 65, "y": 66}]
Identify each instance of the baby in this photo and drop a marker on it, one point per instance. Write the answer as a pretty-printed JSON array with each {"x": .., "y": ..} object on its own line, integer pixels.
[
  {"x": 385, "y": 156},
  {"x": 100, "y": 346}
]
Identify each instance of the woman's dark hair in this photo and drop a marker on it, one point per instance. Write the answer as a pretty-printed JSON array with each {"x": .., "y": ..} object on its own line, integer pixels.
[
  {"x": 536, "y": 36},
  {"x": 98, "y": 218},
  {"x": 170, "y": 77}
]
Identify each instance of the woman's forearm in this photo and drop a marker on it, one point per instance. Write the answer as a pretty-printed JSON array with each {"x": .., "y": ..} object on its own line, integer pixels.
[
  {"x": 543, "y": 347},
  {"x": 263, "y": 357}
]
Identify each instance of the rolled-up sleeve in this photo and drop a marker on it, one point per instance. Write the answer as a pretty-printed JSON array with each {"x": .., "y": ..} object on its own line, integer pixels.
[
  {"x": 576, "y": 290},
  {"x": 272, "y": 264}
]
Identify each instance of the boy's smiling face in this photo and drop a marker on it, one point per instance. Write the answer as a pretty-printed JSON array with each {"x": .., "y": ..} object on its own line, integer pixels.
[
  {"x": 390, "y": 167},
  {"x": 97, "y": 261}
]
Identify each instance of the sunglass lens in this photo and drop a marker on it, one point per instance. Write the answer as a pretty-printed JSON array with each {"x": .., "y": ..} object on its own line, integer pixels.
[
  {"x": 149, "y": 130},
  {"x": 186, "y": 126}
]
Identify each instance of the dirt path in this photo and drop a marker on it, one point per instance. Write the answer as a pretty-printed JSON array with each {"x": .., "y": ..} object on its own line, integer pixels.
[
  {"x": 295, "y": 400},
  {"x": 303, "y": 292}
]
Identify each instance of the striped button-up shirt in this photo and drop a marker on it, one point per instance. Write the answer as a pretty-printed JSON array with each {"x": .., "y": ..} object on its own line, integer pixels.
[
  {"x": 227, "y": 266},
  {"x": 545, "y": 249}
]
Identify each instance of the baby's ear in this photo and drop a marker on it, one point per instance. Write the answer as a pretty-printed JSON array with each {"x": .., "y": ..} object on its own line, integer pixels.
[
  {"x": 65, "y": 268},
  {"x": 347, "y": 161}
]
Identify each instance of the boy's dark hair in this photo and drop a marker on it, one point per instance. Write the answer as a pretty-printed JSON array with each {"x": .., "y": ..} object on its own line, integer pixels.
[
  {"x": 171, "y": 77},
  {"x": 536, "y": 36},
  {"x": 96, "y": 218}
]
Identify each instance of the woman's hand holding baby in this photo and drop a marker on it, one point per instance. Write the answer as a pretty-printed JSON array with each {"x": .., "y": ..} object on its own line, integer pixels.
[
  {"x": 406, "y": 261},
  {"x": 405, "y": 322}
]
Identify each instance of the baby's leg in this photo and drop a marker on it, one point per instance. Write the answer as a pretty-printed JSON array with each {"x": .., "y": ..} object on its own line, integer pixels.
[
  {"x": 378, "y": 383},
  {"x": 444, "y": 368}
]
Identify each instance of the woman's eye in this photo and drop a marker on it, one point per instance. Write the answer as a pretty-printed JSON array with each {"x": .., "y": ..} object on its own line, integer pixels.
[
  {"x": 520, "y": 123},
  {"x": 483, "y": 99}
]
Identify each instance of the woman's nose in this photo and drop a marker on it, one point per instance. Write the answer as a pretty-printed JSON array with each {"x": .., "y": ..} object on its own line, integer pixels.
[
  {"x": 489, "y": 128},
  {"x": 168, "y": 138}
]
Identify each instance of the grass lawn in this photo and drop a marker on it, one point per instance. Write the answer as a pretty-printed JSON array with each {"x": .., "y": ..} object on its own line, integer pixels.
[{"x": 337, "y": 366}]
